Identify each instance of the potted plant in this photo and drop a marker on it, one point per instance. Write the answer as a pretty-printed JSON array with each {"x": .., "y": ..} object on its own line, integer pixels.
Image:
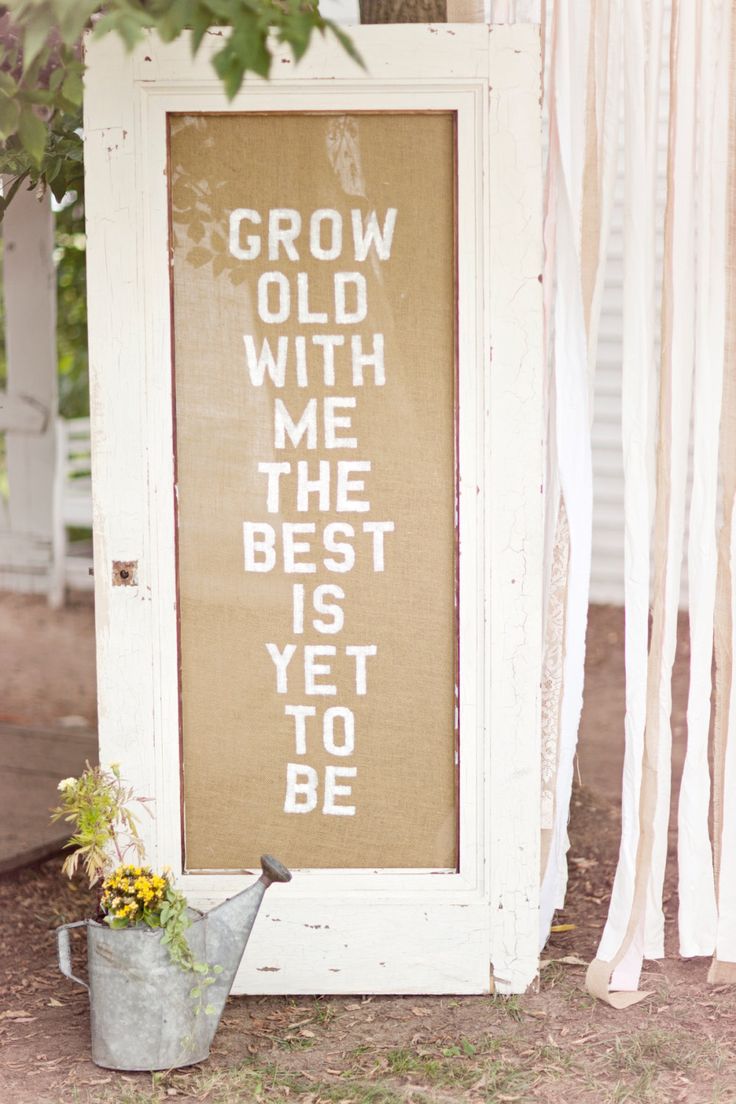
[{"x": 159, "y": 971}]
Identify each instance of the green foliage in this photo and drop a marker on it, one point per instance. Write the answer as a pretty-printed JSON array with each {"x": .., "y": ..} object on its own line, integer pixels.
[
  {"x": 41, "y": 67},
  {"x": 134, "y": 895},
  {"x": 174, "y": 921},
  {"x": 97, "y": 805},
  {"x": 71, "y": 311}
]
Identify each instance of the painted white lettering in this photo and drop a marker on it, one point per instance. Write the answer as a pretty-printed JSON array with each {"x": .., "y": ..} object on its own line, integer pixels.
[
  {"x": 284, "y": 426},
  {"x": 304, "y": 314},
  {"x": 259, "y": 540},
  {"x": 300, "y": 347},
  {"x": 253, "y": 246},
  {"x": 329, "y": 343},
  {"x": 343, "y": 315},
  {"x": 333, "y": 423},
  {"x": 260, "y": 363},
  {"x": 294, "y": 548},
  {"x": 333, "y": 219},
  {"x": 307, "y": 486},
  {"x": 283, "y": 307},
  {"x": 361, "y": 653},
  {"x": 284, "y": 225},
  {"x": 312, "y": 669},
  {"x": 273, "y": 472},
  {"x": 300, "y": 714},
  {"x": 348, "y": 730},
  {"x": 301, "y": 783},
  {"x": 297, "y": 604},
  {"x": 365, "y": 236},
  {"x": 330, "y": 609},
  {"x": 345, "y": 485},
  {"x": 377, "y": 529},
  {"x": 340, "y": 548},
  {"x": 363, "y": 360},
  {"x": 333, "y": 790},
  {"x": 281, "y": 661}
]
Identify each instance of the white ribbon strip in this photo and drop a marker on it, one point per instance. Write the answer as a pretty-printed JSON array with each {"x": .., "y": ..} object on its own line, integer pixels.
[
  {"x": 567, "y": 141},
  {"x": 638, "y": 453},
  {"x": 697, "y": 909}
]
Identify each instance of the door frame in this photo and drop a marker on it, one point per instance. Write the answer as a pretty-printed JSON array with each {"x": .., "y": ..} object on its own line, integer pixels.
[{"x": 339, "y": 931}]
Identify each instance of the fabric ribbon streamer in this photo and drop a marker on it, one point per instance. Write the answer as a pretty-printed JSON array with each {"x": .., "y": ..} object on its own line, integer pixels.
[
  {"x": 723, "y": 968},
  {"x": 571, "y": 420}
]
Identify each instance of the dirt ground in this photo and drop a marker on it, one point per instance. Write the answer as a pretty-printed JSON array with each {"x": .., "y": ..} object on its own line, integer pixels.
[{"x": 556, "y": 1045}]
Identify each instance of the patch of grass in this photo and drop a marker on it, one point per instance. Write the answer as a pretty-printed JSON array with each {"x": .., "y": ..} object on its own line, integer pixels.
[
  {"x": 450, "y": 1068},
  {"x": 244, "y": 1082},
  {"x": 510, "y": 1006},
  {"x": 479, "y": 1066},
  {"x": 360, "y": 1092},
  {"x": 637, "y": 1068},
  {"x": 656, "y": 1049},
  {"x": 324, "y": 1012},
  {"x": 504, "y": 1080},
  {"x": 296, "y": 1042},
  {"x": 457, "y": 1050}
]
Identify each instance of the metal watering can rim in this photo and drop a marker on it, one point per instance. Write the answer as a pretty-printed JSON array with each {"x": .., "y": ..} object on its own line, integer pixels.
[
  {"x": 195, "y": 915},
  {"x": 272, "y": 871}
]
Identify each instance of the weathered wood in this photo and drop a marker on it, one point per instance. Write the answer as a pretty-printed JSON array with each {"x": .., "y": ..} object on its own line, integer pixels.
[
  {"x": 30, "y": 397},
  {"x": 33, "y": 761},
  {"x": 363, "y": 930},
  {"x": 403, "y": 11}
]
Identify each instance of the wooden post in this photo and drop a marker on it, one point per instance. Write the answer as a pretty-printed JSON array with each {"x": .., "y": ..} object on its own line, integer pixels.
[{"x": 28, "y": 407}]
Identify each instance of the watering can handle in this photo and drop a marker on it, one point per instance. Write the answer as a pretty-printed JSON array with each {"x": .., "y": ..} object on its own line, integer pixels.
[
  {"x": 273, "y": 870},
  {"x": 64, "y": 949}
]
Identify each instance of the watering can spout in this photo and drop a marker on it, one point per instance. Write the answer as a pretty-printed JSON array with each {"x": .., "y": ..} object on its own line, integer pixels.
[{"x": 228, "y": 928}]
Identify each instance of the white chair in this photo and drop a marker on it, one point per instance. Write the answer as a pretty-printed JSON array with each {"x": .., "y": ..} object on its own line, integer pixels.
[{"x": 72, "y": 507}]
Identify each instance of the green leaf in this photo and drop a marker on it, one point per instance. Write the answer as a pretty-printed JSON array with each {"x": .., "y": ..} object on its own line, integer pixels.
[
  {"x": 4, "y": 202},
  {"x": 346, "y": 42},
  {"x": 126, "y": 24},
  {"x": 7, "y": 84},
  {"x": 9, "y": 115},
  {"x": 73, "y": 16},
  {"x": 56, "y": 78},
  {"x": 195, "y": 992},
  {"x": 210, "y": 1010},
  {"x": 222, "y": 10},
  {"x": 172, "y": 22},
  {"x": 201, "y": 23},
  {"x": 58, "y": 187},
  {"x": 72, "y": 88},
  {"x": 32, "y": 134},
  {"x": 36, "y": 33}
]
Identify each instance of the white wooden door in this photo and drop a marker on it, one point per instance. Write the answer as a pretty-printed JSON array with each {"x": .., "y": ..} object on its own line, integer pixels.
[{"x": 459, "y": 926}]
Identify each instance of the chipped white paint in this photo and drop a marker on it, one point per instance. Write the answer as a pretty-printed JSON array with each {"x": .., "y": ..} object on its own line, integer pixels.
[{"x": 354, "y": 930}]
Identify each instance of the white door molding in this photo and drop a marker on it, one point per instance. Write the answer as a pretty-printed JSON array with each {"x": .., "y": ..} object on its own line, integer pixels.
[{"x": 351, "y": 930}]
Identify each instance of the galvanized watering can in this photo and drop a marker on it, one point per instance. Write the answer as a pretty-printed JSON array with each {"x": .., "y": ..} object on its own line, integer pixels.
[{"x": 143, "y": 1016}]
